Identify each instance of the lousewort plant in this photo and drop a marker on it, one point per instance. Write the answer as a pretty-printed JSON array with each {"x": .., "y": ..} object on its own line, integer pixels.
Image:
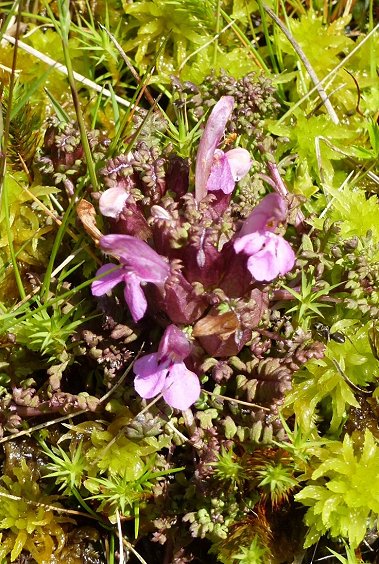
[
  {"x": 213, "y": 399},
  {"x": 188, "y": 250}
]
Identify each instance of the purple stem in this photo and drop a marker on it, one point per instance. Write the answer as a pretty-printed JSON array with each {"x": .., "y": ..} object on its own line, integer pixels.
[{"x": 279, "y": 186}]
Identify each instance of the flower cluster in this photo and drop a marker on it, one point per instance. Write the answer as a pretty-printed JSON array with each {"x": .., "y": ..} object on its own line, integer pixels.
[{"x": 185, "y": 258}]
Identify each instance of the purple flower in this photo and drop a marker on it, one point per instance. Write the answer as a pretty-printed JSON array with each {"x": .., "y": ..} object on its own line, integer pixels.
[
  {"x": 164, "y": 372},
  {"x": 269, "y": 254},
  {"x": 227, "y": 168},
  {"x": 124, "y": 215},
  {"x": 216, "y": 170},
  {"x": 139, "y": 264},
  {"x": 266, "y": 216}
]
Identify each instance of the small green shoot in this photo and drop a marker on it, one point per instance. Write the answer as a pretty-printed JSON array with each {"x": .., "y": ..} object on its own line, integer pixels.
[
  {"x": 68, "y": 470},
  {"x": 309, "y": 304}
]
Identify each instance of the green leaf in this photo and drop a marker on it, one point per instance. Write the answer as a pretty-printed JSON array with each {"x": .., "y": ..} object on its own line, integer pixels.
[{"x": 61, "y": 114}]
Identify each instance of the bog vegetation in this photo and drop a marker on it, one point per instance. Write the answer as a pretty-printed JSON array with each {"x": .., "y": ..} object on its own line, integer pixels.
[{"x": 189, "y": 281}]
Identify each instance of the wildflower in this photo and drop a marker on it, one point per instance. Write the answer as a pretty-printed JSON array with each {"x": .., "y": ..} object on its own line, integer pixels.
[
  {"x": 112, "y": 202},
  {"x": 269, "y": 254},
  {"x": 216, "y": 170},
  {"x": 164, "y": 372},
  {"x": 227, "y": 168},
  {"x": 139, "y": 264},
  {"x": 266, "y": 216},
  {"x": 118, "y": 177}
]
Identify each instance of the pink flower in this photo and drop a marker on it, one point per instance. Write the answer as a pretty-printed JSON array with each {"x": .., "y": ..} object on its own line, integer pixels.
[
  {"x": 269, "y": 254},
  {"x": 266, "y": 216},
  {"x": 112, "y": 201},
  {"x": 139, "y": 264},
  {"x": 164, "y": 372},
  {"x": 227, "y": 168},
  {"x": 216, "y": 170}
]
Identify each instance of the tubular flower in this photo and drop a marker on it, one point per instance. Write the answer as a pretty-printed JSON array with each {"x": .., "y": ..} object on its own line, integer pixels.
[
  {"x": 266, "y": 216},
  {"x": 164, "y": 372},
  {"x": 269, "y": 254},
  {"x": 227, "y": 168},
  {"x": 139, "y": 264},
  {"x": 216, "y": 170}
]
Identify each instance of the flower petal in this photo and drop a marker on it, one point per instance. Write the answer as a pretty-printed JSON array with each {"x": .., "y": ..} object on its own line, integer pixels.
[
  {"x": 212, "y": 134},
  {"x": 134, "y": 296},
  {"x": 269, "y": 254},
  {"x": 266, "y": 216},
  {"x": 263, "y": 265},
  {"x": 239, "y": 161},
  {"x": 138, "y": 255},
  {"x": 250, "y": 244},
  {"x": 150, "y": 377},
  {"x": 220, "y": 177},
  {"x": 112, "y": 202},
  {"x": 182, "y": 387},
  {"x": 285, "y": 256},
  {"x": 108, "y": 281},
  {"x": 275, "y": 257},
  {"x": 174, "y": 344}
]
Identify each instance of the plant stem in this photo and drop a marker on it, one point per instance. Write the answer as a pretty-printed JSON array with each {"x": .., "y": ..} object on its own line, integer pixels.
[
  {"x": 63, "y": 30},
  {"x": 324, "y": 97},
  {"x": 267, "y": 37},
  {"x": 4, "y": 202},
  {"x": 218, "y": 18}
]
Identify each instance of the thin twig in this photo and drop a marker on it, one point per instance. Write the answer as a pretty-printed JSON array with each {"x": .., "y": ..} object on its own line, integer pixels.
[
  {"x": 130, "y": 547},
  {"x": 62, "y": 69},
  {"x": 126, "y": 60},
  {"x": 120, "y": 538},
  {"x": 323, "y": 95},
  {"x": 47, "y": 506},
  {"x": 234, "y": 400},
  {"x": 329, "y": 75}
]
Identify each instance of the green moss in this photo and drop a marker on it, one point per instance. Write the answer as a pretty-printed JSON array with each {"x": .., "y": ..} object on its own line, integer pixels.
[
  {"x": 28, "y": 519},
  {"x": 343, "y": 496}
]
